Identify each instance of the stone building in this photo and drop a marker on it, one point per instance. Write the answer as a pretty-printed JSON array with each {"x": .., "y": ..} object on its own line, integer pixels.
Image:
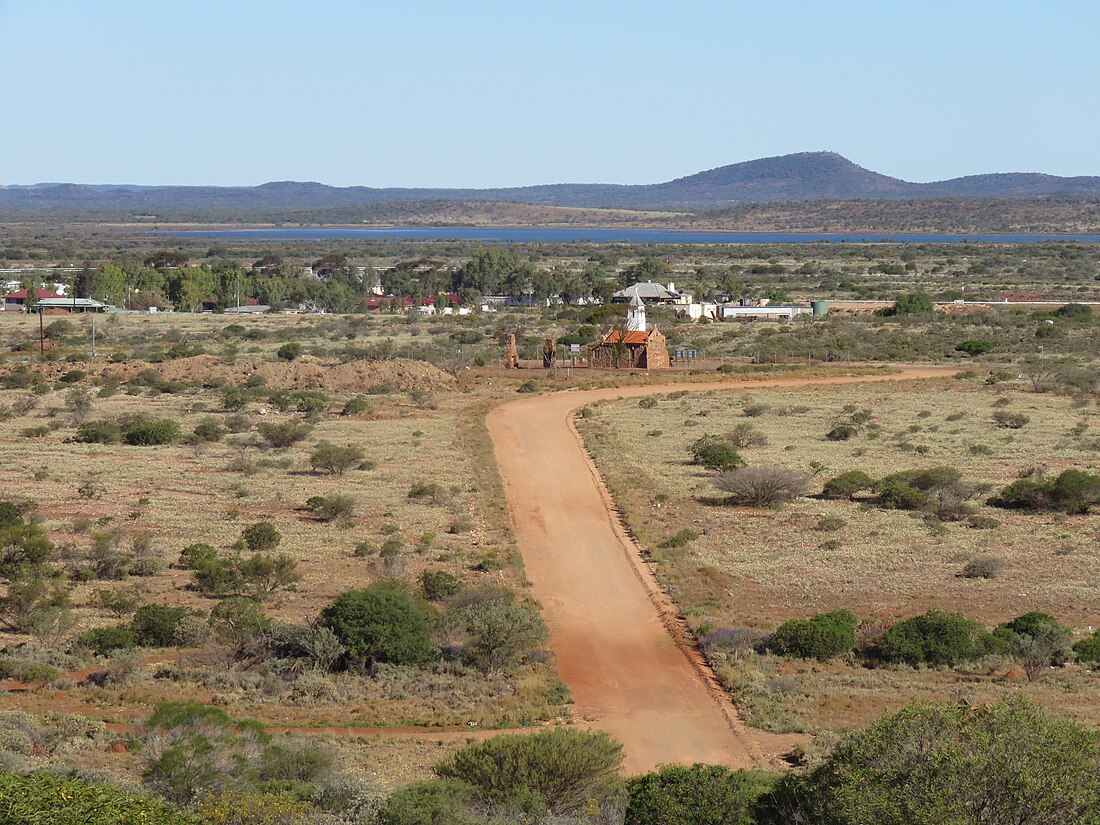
[{"x": 634, "y": 347}]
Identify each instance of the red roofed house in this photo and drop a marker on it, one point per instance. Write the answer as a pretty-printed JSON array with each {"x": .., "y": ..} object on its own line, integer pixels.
[
  {"x": 17, "y": 301},
  {"x": 634, "y": 347}
]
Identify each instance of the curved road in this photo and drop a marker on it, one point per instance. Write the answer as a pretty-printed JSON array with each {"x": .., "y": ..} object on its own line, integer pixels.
[{"x": 620, "y": 646}]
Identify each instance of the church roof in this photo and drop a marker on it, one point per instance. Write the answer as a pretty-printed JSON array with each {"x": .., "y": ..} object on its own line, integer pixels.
[{"x": 628, "y": 338}]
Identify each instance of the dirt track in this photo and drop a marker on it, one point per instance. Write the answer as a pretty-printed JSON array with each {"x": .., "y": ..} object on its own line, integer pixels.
[{"x": 619, "y": 643}]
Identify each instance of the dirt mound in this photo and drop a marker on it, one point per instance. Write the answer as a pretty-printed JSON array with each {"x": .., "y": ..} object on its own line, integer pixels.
[{"x": 306, "y": 372}]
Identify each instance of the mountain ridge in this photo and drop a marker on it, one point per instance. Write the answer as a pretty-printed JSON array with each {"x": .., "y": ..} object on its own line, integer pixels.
[{"x": 802, "y": 176}]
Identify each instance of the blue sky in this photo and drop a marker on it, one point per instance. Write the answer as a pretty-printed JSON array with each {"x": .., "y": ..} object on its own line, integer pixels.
[{"x": 419, "y": 93}]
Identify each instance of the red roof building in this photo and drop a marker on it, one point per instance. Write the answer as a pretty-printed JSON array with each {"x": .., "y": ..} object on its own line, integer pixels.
[{"x": 17, "y": 301}]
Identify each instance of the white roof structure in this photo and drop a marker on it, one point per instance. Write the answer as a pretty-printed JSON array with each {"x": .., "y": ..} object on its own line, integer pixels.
[{"x": 646, "y": 291}]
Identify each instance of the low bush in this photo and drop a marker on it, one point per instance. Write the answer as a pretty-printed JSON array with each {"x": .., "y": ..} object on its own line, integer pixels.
[
  {"x": 823, "y": 637},
  {"x": 985, "y": 567},
  {"x": 679, "y": 539},
  {"x": 746, "y": 435},
  {"x": 149, "y": 432},
  {"x": 848, "y": 484},
  {"x": 1072, "y": 491},
  {"x": 379, "y": 624},
  {"x": 950, "y": 763},
  {"x": 763, "y": 486},
  {"x": 829, "y": 524},
  {"x": 194, "y": 555},
  {"x": 842, "y": 432},
  {"x": 975, "y": 346},
  {"x": 356, "y": 406},
  {"x": 561, "y": 771},
  {"x": 154, "y": 625},
  {"x": 714, "y": 453},
  {"x": 338, "y": 507},
  {"x": 334, "y": 459},
  {"x": 439, "y": 584},
  {"x": 263, "y": 535},
  {"x": 40, "y": 798},
  {"x": 1010, "y": 420},
  {"x": 696, "y": 795},
  {"x": 934, "y": 638},
  {"x": 104, "y": 640},
  {"x": 1087, "y": 650},
  {"x": 284, "y": 434},
  {"x": 289, "y": 351},
  {"x": 209, "y": 430}
]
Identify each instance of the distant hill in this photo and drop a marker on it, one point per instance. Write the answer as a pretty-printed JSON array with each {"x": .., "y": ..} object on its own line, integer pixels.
[{"x": 807, "y": 176}]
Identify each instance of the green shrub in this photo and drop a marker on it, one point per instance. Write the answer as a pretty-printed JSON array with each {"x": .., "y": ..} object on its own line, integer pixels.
[
  {"x": 913, "y": 303},
  {"x": 565, "y": 770},
  {"x": 289, "y": 351},
  {"x": 1087, "y": 650},
  {"x": 37, "y": 672},
  {"x": 334, "y": 459},
  {"x": 434, "y": 802},
  {"x": 975, "y": 346},
  {"x": 897, "y": 495},
  {"x": 933, "y": 638},
  {"x": 149, "y": 432},
  {"x": 332, "y": 508},
  {"x": 284, "y": 434},
  {"x": 679, "y": 539},
  {"x": 209, "y": 430},
  {"x": 999, "y": 763},
  {"x": 501, "y": 632},
  {"x": 842, "y": 432},
  {"x": 103, "y": 640},
  {"x": 696, "y": 795},
  {"x": 356, "y": 406},
  {"x": 99, "y": 432},
  {"x": 41, "y": 798},
  {"x": 823, "y": 637},
  {"x": 196, "y": 554},
  {"x": 714, "y": 453},
  {"x": 439, "y": 584},
  {"x": 380, "y": 625},
  {"x": 848, "y": 484},
  {"x": 236, "y": 399},
  {"x": 154, "y": 625},
  {"x": 647, "y": 403},
  {"x": 1072, "y": 491},
  {"x": 263, "y": 535}
]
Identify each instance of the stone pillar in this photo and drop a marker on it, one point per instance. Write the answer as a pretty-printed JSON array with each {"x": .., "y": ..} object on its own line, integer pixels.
[
  {"x": 511, "y": 353},
  {"x": 549, "y": 350}
]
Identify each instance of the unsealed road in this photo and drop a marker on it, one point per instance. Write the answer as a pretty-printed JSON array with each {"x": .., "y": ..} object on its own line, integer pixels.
[{"x": 618, "y": 645}]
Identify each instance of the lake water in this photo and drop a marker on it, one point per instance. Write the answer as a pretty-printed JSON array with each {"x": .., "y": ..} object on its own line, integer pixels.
[{"x": 580, "y": 235}]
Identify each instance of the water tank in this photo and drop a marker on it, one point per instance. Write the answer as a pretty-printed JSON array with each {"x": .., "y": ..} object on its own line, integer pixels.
[{"x": 820, "y": 308}]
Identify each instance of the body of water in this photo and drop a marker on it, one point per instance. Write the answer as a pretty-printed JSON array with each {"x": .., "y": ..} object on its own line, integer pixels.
[{"x": 581, "y": 235}]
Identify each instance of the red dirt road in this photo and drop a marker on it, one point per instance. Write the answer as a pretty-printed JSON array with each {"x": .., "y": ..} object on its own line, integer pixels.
[{"x": 620, "y": 645}]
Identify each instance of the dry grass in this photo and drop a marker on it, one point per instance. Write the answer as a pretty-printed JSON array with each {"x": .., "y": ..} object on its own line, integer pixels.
[{"x": 758, "y": 567}]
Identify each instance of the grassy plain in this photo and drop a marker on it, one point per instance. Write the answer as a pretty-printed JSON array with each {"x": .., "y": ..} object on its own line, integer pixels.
[{"x": 755, "y": 568}]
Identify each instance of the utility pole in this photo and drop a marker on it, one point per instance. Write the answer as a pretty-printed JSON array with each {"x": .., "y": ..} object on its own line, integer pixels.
[
  {"x": 41, "y": 335},
  {"x": 93, "y": 333}
]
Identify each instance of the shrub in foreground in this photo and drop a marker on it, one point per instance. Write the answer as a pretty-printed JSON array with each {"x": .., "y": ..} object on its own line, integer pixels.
[
  {"x": 847, "y": 485},
  {"x": 714, "y": 453},
  {"x": 699, "y": 795},
  {"x": 563, "y": 771},
  {"x": 40, "y": 798},
  {"x": 1003, "y": 763}
]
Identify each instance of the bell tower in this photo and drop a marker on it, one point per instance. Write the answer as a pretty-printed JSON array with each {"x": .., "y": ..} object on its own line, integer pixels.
[{"x": 635, "y": 316}]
